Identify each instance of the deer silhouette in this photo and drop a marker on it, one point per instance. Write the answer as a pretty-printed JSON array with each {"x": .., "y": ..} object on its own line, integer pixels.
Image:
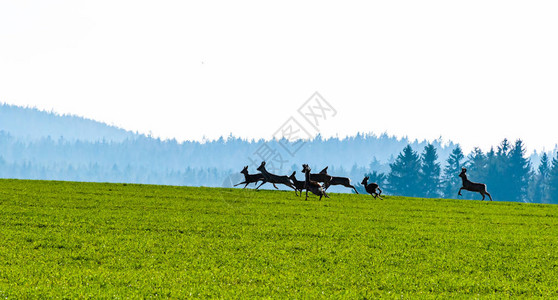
[
  {"x": 472, "y": 186},
  {"x": 311, "y": 185},
  {"x": 321, "y": 177},
  {"x": 335, "y": 180},
  {"x": 251, "y": 178},
  {"x": 299, "y": 185},
  {"x": 272, "y": 178},
  {"x": 371, "y": 188}
]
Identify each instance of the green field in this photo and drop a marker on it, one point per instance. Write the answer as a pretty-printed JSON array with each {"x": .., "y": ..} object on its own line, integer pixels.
[{"x": 80, "y": 240}]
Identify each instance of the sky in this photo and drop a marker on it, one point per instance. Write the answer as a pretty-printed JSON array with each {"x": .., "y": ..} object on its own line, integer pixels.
[{"x": 473, "y": 72}]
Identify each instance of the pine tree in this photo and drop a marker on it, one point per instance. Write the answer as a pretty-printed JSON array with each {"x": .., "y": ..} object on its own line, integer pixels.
[
  {"x": 538, "y": 186},
  {"x": 404, "y": 178},
  {"x": 491, "y": 173},
  {"x": 501, "y": 177},
  {"x": 451, "y": 181},
  {"x": 476, "y": 165},
  {"x": 552, "y": 187},
  {"x": 430, "y": 172},
  {"x": 519, "y": 173}
]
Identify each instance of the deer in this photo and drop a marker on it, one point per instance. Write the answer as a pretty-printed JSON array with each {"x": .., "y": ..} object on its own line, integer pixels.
[
  {"x": 251, "y": 178},
  {"x": 371, "y": 188},
  {"x": 299, "y": 185},
  {"x": 472, "y": 186},
  {"x": 321, "y": 177},
  {"x": 344, "y": 181},
  {"x": 272, "y": 178},
  {"x": 311, "y": 185}
]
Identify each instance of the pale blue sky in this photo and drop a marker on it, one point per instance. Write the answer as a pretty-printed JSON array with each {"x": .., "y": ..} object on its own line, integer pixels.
[{"x": 470, "y": 71}]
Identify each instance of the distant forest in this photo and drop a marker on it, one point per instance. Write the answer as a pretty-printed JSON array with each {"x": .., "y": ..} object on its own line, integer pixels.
[{"x": 40, "y": 145}]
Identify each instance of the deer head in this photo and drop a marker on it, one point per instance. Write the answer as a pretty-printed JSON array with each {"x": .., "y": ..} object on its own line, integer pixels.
[{"x": 261, "y": 167}]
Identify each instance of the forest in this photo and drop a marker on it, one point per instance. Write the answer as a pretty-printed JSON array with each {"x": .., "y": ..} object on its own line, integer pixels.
[{"x": 417, "y": 169}]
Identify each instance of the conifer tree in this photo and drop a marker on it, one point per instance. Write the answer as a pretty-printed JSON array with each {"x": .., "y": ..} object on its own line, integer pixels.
[
  {"x": 451, "y": 181},
  {"x": 519, "y": 173},
  {"x": 552, "y": 187},
  {"x": 430, "y": 172},
  {"x": 477, "y": 165},
  {"x": 499, "y": 172},
  {"x": 404, "y": 178},
  {"x": 492, "y": 172},
  {"x": 539, "y": 182}
]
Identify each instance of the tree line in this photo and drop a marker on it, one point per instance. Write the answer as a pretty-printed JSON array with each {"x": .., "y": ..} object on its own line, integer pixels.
[
  {"x": 506, "y": 171},
  {"x": 421, "y": 169}
]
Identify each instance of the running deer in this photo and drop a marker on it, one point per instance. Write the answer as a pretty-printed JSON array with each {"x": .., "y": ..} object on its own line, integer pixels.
[
  {"x": 272, "y": 178},
  {"x": 321, "y": 177},
  {"x": 251, "y": 178},
  {"x": 299, "y": 185},
  {"x": 472, "y": 186},
  {"x": 371, "y": 188},
  {"x": 344, "y": 181},
  {"x": 311, "y": 185}
]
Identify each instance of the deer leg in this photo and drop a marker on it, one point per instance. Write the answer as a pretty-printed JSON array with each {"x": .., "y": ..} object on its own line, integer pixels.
[
  {"x": 246, "y": 185},
  {"x": 326, "y": 195},
  {"x": 354, "y": 189},
  {"x": 261, "y": 184},
  {"x": 290, "y": 185},
  {"x": 306, "y": 194},
  {"x": 482, "y": 195},
  {"x": 459, "y": 193},
  {"x": 275, "y": 186},
  {"x": 488, "y": 195},
  {"x": 240, "y": 183}
]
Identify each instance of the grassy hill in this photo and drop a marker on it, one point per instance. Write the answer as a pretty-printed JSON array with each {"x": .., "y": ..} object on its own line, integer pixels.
[{"x": 65, "y": 239}]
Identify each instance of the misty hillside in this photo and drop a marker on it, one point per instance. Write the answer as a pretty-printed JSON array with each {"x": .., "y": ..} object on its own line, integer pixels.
[{"x": 33, "y": 124}]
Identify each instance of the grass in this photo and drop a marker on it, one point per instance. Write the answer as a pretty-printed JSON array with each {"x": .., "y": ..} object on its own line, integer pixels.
[{"x": 96, "y": 240}]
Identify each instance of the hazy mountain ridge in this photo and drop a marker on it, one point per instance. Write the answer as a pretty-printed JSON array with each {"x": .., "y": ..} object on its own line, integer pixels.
[{"x": 34, "y": 124}]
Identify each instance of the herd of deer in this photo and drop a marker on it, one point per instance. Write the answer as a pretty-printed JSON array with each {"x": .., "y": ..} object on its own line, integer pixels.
[{"x": 312, "y": 182}]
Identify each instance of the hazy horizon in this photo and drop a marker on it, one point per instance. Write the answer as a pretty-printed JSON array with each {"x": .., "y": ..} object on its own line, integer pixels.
[
  {"x": 440, "y": 140},
  {"x": 473, "y": 72}
]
